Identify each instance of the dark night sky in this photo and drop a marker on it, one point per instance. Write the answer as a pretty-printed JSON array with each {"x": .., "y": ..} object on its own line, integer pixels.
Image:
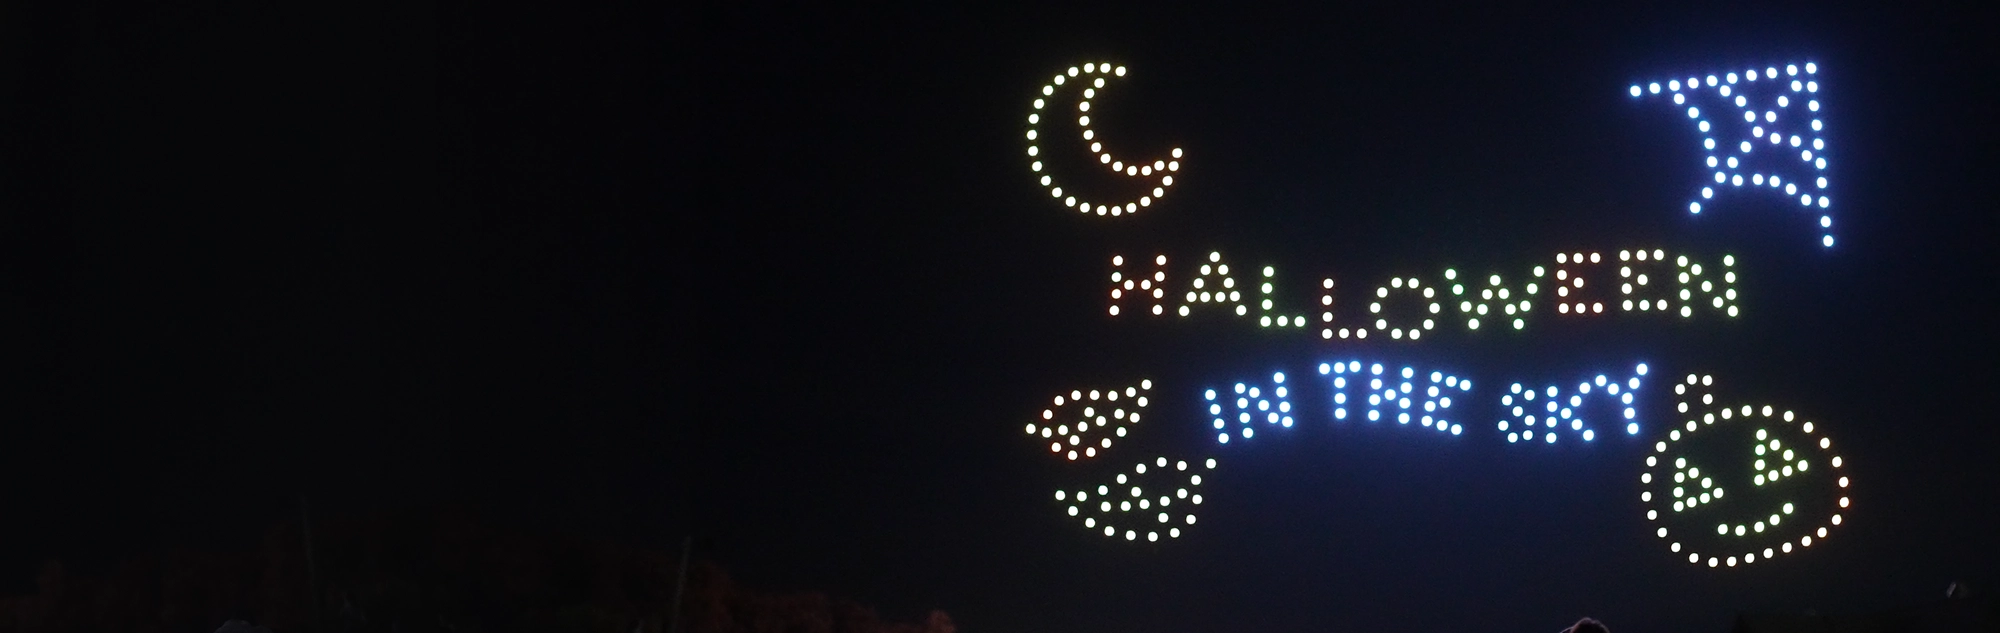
[{"x": 782, "y": 281}]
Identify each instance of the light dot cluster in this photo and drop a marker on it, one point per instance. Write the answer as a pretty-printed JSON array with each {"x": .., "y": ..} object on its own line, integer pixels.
[
  {"x": 1214, "y": 285},
  {"x": 1249, "y": 404},
  {"x": 1495, "y": 300},
  {"x": 1570, "y": 293},
  {"x": 1637, "y": 273},
  {"x": 1091, "y": 77},
  {"x": 1267, "y": 305},
  {"x": 1787, "y": 157},
  {"x": 1689, "y": 496},
  {"x": 1545, "y": 413},
  {"x": 1402, "y": 395},
  {"x": 1780, "y": 458},
  {"x": 1125, "y": 508},
  {"x": 1676, "y": 489},
  {"x": 1326, "y": 314},
  {"x": 1148, "y": 288},
  {"x": 1646, "y": 282},
  {"x": 1720, "y": 297},
  {"x": 1081, "y": 423},
  {"x": 1640, "y": 271},
  {"x": 1399, "y": 286}
]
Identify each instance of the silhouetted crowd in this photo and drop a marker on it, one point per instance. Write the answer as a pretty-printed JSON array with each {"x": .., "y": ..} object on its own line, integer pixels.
[{"x": 444, "y": 572}]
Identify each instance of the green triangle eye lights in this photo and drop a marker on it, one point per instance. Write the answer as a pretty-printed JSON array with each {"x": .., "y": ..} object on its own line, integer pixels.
[
  {"x": 1725, "y": 486},
  {"x": 1797, "y": 483}
]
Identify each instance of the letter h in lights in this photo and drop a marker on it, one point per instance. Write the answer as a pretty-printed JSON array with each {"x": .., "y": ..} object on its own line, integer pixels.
[
  {"x": 1378, "y": 394},
  {"x": 1146, "y": 290}
]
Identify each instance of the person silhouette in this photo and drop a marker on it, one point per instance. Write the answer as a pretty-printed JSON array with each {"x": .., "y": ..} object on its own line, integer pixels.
[{"x": 1587, "y": 625}]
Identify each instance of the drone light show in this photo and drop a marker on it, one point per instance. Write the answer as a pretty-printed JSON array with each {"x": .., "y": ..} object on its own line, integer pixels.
[
  {"x": 1124, "y": 506},
  {"x": 1646, "y": 284},
  {"x": 1797, "y": 492},
  {"x": 1724, "y": 483},
  {"x": 1770, "y": 129},
  {"x": 1102, "y": 417},
  {"x": 1091, "y": 77},
  {"x": 1398, "y": 395}
]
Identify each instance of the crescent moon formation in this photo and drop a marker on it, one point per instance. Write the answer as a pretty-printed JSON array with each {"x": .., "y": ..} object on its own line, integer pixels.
[{"x": 1091, "y": 76}]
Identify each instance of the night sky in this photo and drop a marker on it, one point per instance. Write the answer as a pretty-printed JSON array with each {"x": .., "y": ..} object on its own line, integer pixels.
[{"x": 782, "y": 281}]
